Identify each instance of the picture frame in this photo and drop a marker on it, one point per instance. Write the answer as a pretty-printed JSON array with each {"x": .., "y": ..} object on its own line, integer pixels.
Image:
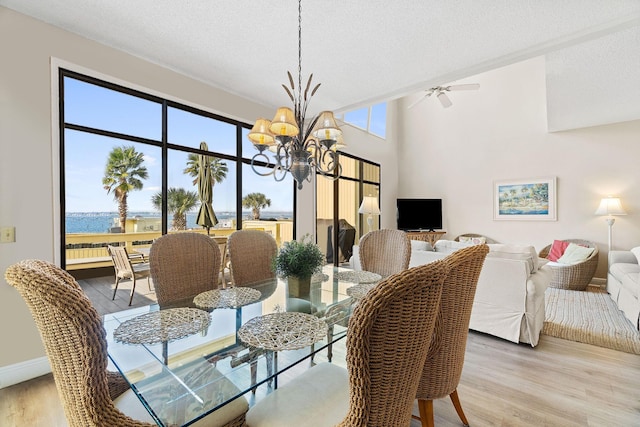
[{"x": 532, "y": 199}]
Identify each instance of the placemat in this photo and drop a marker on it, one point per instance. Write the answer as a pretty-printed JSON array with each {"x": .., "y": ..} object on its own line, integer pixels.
[
  {"x": 160, "y": 326},
  {"x": 358, "y": 276},
  {"x": 283, "y": 331},
  {"x": 227, "y": 298}
]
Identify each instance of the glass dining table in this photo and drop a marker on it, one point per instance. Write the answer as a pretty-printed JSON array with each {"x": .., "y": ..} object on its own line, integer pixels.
[{"x": 189, "y": 359}]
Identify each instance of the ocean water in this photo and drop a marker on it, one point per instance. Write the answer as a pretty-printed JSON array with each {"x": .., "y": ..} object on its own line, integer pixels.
[{"x": 100, "y": 222}]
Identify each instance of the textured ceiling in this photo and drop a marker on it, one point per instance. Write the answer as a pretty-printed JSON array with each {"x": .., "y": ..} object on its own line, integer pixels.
[{"x": 367, "y": 51}]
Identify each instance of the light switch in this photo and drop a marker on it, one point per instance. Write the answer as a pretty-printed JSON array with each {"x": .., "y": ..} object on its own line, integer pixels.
[{"x": 7, "y": 234}]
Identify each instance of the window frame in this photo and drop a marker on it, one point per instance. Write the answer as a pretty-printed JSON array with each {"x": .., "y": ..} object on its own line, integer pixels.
[{"x": 164, "y": 145}]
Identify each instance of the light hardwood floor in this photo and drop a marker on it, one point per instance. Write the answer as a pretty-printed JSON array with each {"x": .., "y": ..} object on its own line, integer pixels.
[{"x": 558, "y": 383}]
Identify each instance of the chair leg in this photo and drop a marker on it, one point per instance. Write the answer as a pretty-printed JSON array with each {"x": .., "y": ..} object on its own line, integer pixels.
[
  {"x": 133, "y": 289},
  {"x": 456, "y": 404},
  {"x": 330, "y": 340},
  {"x": 116, "y": 288},
  {"x": 426, "y": 412},
  {"x": 149, "y": 283}
]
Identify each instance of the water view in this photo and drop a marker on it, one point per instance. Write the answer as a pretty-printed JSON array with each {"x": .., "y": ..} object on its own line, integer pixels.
[{"x": 101, "y": 222}]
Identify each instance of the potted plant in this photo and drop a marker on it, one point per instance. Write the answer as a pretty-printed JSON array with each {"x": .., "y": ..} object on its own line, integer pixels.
[{"x": 297, "y": 261}]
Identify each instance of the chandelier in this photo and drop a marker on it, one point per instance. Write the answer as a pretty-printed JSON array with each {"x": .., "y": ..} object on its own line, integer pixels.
[{"x": 298, "y": 145}]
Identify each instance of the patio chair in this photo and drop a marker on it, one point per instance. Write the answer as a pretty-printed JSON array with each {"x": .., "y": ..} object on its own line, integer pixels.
[
  {"x": 125, "y": 269},
  {"x": 183, "y": 265},
  {"x": 75, "y": 342},
  {"x": 385, "y": 252},
  {"x": 443, "y": 367},
  {"x": 250, "y": 256},
  {"x": 387, "y": 344}
]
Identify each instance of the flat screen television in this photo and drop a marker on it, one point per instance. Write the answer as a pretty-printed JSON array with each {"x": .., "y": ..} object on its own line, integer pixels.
[{"x": 419, "y": 214}]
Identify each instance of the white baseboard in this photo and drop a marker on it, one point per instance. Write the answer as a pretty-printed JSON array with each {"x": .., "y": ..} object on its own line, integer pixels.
[{"x": 23, "y": 371}]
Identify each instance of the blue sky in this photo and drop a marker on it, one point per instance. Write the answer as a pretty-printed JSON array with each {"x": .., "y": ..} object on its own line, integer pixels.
[{"x": 86, "y": 154}]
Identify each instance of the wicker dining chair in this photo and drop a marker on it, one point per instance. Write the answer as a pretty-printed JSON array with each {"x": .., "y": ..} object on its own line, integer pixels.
[
  {"x": 183, "y": 265},
  {"x": 125, "y": 269},
  {"x": 385, "y": 252},
  {"x": 250, "y": 256},
  {"x": 574, "y": 277},
  {"x": 75, "y": 342},
  {"x": 387, "y": 344},
  {"x": 443, "y": 367}
]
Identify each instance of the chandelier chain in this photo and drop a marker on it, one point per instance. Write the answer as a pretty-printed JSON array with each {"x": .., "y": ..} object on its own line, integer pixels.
[{"x": 299, "y": 52}]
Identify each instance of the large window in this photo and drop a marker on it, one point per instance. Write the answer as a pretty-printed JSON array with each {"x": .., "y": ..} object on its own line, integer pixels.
[
  {"x": 129, "y": 171},
  {"x": 338, "y": 202}
]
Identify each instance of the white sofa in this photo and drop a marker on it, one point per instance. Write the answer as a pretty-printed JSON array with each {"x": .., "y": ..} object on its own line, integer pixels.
[
  {"x": 623, "y": 283},
  {"x": 509, "y": 301}
]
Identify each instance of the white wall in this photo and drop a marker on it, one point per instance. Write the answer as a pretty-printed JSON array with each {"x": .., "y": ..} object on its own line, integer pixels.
[
  {"x": 28, "y": 152},
  {"x": 499, "y": 132}
]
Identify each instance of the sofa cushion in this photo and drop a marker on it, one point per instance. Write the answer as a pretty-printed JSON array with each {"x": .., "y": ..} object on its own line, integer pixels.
[
  {"x": 473, "y": 240},
  {"x": 575, "y": 254},
  {"x": 557, "y": 250},
  {"x": 621, "y": 270},
  {"x": 519, "y": 252},
  {"x": 449, "y": 246},
  {"x": 636, "y": 251},
  {"x": 420, "y": 245}
]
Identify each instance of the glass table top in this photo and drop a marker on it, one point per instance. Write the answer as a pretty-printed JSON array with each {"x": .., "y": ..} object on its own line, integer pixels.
[{"x": 188, "y": 359}]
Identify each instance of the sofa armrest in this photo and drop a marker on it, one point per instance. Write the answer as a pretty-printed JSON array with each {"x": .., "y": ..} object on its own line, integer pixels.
[{"x": 626, "y": 257}]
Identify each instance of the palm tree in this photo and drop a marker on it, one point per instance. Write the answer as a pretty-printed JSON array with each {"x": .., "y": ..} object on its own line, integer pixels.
[
  {"x": 255, "y": 202},
  {"x": 219, "y": 169},
  {"x": 179, "y": 202},
  {"x": 123, "y": 173}
]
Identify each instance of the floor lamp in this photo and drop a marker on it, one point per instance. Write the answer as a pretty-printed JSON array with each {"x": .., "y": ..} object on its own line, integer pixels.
[
  {"x": 610, "y": 206},
  {"x": 369, "y": 206}
]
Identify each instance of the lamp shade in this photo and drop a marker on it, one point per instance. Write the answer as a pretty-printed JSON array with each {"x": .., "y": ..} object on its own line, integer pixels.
[
  {"x": 326, "y": 127},
  {"x": 369, "y": 205},
  {"x": 284, "y": 123},
  {"x": 610, "y": 206},
  {"x": 260, "y": 134}
]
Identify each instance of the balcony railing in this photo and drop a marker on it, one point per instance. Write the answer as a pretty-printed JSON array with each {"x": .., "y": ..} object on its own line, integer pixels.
[{"x": 89, "y": 250}]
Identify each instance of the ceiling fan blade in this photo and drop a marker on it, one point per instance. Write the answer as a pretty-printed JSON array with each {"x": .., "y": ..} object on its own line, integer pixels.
[
  {"x": 444, "y": 100},
  {"x": 413, "y": 104},
  {"x": 425, "y": 96},
  {"x": 470, "y": 86}
]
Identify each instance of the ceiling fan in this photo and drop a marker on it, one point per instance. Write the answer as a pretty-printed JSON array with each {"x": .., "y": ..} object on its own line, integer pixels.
[{"x": 441, "y": 93}]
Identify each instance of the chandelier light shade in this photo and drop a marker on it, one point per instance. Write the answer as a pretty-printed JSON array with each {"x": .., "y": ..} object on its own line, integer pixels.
[
  {"x": 610, "y": 206},
  {"x": 298, "y": 145},
  {"x": 369, "y": 207}
]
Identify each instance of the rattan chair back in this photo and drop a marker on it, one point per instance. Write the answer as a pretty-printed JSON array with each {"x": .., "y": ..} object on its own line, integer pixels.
[
  {"x": 74, "y": 340},
  {"x": 183, "y": 265},
  {"x": 250, "y": 255},
  {"x": 443, "y": 367},
  {"x": 385, "y": 252},
  {"x": 573, "y": 277},
  {"x": 388, "y": 340}
]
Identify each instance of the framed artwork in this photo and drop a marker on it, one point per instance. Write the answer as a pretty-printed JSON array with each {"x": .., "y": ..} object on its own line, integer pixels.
[{"x": 525, "y": 199}]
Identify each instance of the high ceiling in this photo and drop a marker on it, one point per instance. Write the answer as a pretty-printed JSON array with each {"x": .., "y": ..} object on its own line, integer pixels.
[{"x": 368, "y": 51}]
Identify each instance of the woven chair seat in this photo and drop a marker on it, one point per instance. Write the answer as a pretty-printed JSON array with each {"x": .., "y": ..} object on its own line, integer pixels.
[{"x": 574, "y": 277}]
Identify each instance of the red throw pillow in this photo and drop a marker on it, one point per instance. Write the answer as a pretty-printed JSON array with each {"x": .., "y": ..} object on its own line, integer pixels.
[{"x": 557, "y": 250}]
